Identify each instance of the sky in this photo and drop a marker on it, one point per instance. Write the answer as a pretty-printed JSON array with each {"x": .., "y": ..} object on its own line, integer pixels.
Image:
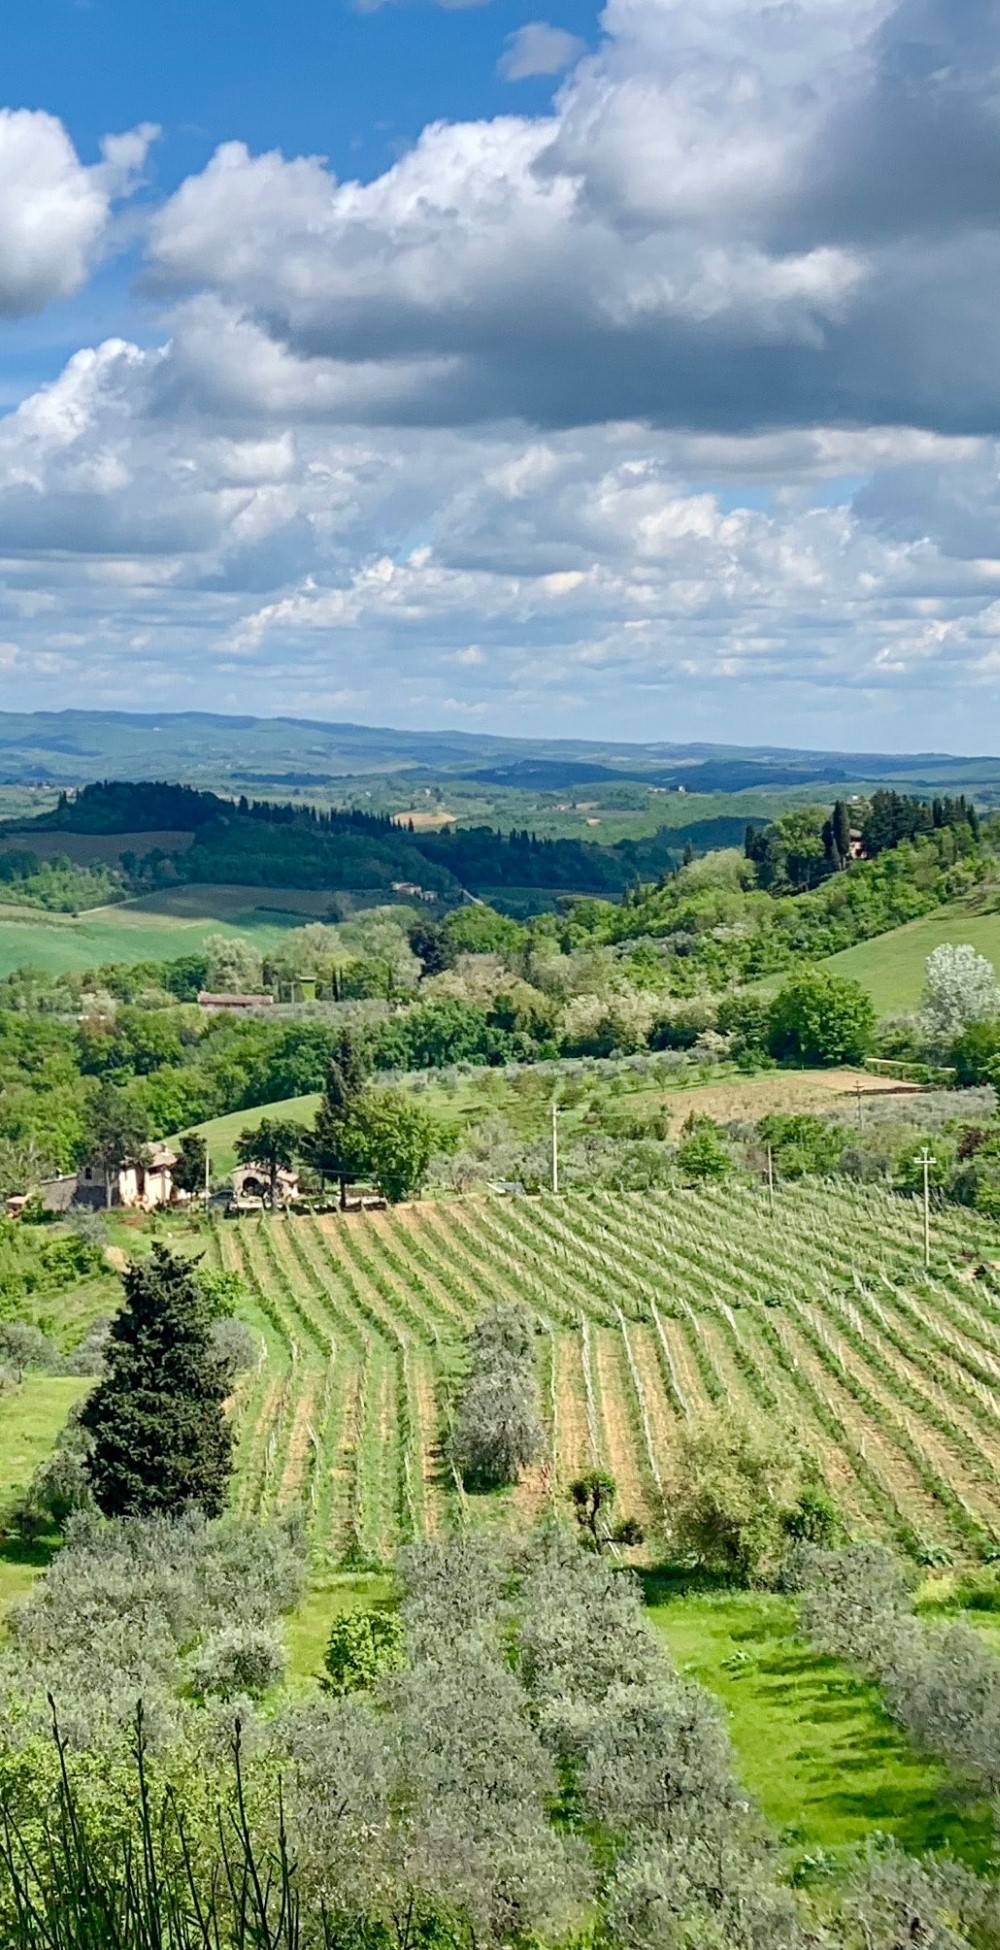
[{"x": 525, "y": 366}]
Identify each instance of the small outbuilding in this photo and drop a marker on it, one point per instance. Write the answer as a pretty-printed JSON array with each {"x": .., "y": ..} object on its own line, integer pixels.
[{"x": 253, "y": 1181}]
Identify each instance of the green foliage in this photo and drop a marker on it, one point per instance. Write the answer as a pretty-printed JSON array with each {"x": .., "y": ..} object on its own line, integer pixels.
[
  {"x": 817, "y": 1018},
  {"x": 116, "y": 1131},
  {"x": 743, "y": 1492},
  {"x": 480, "y": 930},
  {"x": 703, "y": 1155},
  {"x": 976, "y": 1054},
  {"x": 801, "y": 1144},
  {"x": 392, "y": 1139},
  {"x": 190, "y": 1172},
  {"x": 222, "y": 1290},
  {"x": 593, "y": 1496},
  {"x": 326, "y": 1147},
  {"x": 37, "y": 1261},
  {"x": 362, "y": 1648},
  {"x": 160, "y": 1440},
  {"x": 58, "y": 885}
]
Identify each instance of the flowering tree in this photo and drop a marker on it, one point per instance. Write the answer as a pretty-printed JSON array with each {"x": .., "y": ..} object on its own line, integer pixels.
[{"x": 960, "y": 988}]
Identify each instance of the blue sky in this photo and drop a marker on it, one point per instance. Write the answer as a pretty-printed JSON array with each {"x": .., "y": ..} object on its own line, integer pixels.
[{"x": 533, "y": 367}]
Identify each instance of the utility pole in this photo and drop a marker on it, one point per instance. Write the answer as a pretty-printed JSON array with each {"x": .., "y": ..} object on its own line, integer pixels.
[
  {"x": 208, "y": 1180},
  {"x": 861, "y": 1116},
  {"x": 555, "y": 1146},
  {"x": 926, "y": 1161},
  {"x": 770, "y": 1179}
]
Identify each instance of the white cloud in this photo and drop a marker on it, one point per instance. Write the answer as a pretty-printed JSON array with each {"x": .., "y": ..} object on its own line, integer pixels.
[
  {"x": 599, "y": 566},
  {"x": 717, "y": 228},
  {"x": 54, "y": 211},
  {"x": 539, "y": 49},
  {"x": 680, "y": 398}
]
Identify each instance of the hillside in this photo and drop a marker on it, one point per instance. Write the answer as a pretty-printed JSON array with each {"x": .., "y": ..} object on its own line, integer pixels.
[
  {"x": 651, "y": 1310},
  {"x": 892, "y": 967},
  {"x": 70, "y": 747}
]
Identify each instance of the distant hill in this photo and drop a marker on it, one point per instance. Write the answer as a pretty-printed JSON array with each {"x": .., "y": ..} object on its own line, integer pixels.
[{"x": 201, "y": 748}]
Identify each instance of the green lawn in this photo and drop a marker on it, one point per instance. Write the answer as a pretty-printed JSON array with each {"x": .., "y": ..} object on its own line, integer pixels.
[
  {"x": 891, "y": 967},
  {"x": 826, "y": 1764}
]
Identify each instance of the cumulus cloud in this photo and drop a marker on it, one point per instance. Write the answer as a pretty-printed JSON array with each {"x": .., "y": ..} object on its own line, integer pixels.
[
  {"x": 739, "y": 216},
  {"x": 54, "y": 211},
  {"x": 683, "y": 393},
  {"x": 594, "y": 575},
  {"x": 539, "y": 49}
]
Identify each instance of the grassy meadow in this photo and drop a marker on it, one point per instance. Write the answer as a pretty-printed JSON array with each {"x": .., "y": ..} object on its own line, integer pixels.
[
  {"x": 158, "y": 927},
  {"x": 892, "y": 966},
  {"x": 817, "y": 1749}
]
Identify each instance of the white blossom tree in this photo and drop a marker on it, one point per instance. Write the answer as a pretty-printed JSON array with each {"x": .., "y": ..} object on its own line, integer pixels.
[{"x": 960, "y": 988}]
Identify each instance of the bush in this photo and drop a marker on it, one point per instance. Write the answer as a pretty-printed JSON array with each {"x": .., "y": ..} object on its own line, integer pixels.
[
  {"x": 745, "y": 1493},
  {"x": 23, "y": 1346},
  {"x": 238, "y": 1661},
  {"x": 235, "y": 1347},
  {"x": 363, "y": 1646},
  {"x": 703, "y": 1154}
]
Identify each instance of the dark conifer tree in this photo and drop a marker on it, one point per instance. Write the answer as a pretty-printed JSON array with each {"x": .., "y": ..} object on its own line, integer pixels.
[
  {"x": 326, "y": 1147},
  {"x": 161, "y": 1443}
]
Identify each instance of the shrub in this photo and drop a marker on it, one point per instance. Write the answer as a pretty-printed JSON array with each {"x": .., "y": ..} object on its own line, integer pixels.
[
  {"x": 363, "y": 1646},
  {"x": 235, "y": 1347},
  {"x": 239, "y": 1660},
  {"x": 703, "y": 1154},
  {"x": 743, "y": 1492}
]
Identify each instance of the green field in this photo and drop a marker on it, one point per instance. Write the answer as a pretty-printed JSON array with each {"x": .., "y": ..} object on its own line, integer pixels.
[
  {"x": 816, "y": 1749},
  {"x": 891, "y": 966},
  {"x": 157, "y": 928},
  {"x": 221, "y": 1133},
  {"x": 526, "y": 1100}
]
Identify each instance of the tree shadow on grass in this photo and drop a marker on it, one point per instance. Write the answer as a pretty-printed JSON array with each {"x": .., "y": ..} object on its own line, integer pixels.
[
  {"x": 35, "y": 1553},
  {"x": 662, "y": 1582}
]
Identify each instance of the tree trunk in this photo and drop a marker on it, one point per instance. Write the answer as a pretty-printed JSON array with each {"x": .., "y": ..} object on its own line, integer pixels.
[{"x": 343, "y": 1194}]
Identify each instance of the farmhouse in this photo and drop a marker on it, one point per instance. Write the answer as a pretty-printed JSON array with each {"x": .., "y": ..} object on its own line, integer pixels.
[{"x": 143, "y": 1187}]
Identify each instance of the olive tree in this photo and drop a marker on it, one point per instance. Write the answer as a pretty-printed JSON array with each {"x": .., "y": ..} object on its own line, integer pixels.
[{"x": 497, "y": 1429}]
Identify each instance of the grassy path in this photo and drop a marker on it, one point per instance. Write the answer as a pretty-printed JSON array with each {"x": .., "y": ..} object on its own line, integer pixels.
[{"x": 825, "y": 1763}]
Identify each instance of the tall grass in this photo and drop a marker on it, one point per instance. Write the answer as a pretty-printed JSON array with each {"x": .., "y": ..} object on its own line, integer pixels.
[{"x": 59, "y": 1890}]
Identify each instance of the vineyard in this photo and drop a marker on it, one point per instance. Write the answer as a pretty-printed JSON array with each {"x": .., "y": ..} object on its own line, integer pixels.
[{"x": 649, "y": 1309}]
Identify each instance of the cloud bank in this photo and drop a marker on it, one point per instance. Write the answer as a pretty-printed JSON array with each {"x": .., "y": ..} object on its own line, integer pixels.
[{"x": 674, "y": 407}]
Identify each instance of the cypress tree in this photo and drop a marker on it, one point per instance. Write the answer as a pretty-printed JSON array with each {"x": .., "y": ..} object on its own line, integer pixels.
[
  {"x": 325, "y": 1147},
  {"x": 161, "y": 1443}
]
